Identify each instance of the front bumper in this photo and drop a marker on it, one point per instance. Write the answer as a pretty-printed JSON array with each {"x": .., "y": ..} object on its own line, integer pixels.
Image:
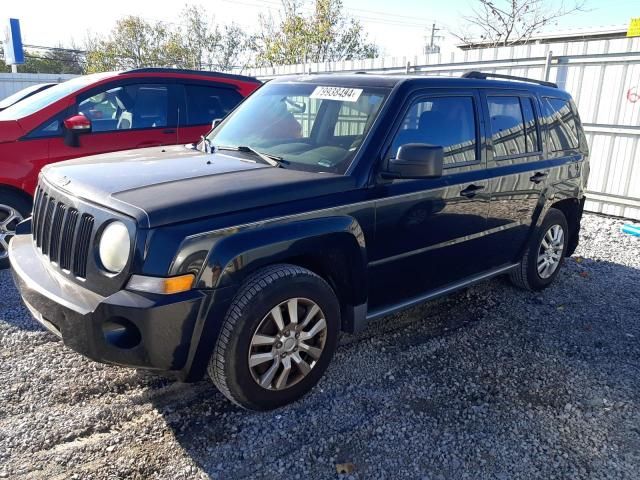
[{"x": 127, "y": 328}]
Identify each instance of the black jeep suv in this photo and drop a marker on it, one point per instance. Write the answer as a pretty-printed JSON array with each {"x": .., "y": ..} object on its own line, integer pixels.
[{"x": 320, "y": 203}]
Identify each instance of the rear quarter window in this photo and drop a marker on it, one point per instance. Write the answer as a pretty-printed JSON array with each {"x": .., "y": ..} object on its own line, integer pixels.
[
  {"x": 205, "y": 104},
  {"x": 562, "y": 126}
]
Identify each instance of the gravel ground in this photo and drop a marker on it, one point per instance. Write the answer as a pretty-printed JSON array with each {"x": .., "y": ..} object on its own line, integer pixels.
[{"x": 492, "y": 382}]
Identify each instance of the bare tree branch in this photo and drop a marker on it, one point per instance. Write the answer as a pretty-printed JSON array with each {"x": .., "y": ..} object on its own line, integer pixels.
[{"x": 506, "y": 22}]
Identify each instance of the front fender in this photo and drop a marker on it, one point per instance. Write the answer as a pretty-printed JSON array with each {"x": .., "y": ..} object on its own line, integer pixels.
[
  {"x": 337, "y": 242},
  {"x": 235, "y": 256}
]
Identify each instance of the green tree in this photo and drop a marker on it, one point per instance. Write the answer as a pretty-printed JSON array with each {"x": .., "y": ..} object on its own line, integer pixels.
[
  {"x": 193, "y": 42},
  {"x": 207, "y": 46},
  {"x": 233, "y": 48},
  {"x": 326, "y": 34},
  {"x": 198, "y": 38},
  {"x": 133, "y": 43}
]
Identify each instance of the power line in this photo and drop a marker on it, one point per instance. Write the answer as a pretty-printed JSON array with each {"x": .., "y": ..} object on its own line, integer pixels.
[
  {"x": 55, "y": 49},
  {"x": 417, "y": 23},
  {"x": 365, "y": 10}
]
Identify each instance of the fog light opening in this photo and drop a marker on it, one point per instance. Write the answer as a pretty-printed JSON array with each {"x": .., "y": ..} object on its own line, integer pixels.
[{"x": 121, "y": 333}]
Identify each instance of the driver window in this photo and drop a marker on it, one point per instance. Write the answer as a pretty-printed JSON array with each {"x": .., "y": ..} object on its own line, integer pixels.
[
  {"x": 127, "y": 107},
  {"x": 446, "y": 121}
]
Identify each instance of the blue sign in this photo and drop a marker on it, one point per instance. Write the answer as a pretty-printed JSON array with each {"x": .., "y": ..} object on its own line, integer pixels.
[{"x": 13, "y": 52}]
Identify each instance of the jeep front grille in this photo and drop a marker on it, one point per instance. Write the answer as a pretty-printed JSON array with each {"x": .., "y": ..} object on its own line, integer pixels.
[{"x": 62, "y": 233}]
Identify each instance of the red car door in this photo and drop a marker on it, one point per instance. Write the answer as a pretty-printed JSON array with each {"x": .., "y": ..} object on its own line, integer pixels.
[
  {"x": 202, "y": 105},
  {"x": 123, "y": 116}
]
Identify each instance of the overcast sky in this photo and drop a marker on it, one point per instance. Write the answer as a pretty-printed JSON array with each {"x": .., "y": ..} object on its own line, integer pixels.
[{"x": 399, "y": 27}]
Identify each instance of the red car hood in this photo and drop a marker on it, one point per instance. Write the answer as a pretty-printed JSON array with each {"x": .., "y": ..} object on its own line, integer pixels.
[{"x": 10, "y": 131}]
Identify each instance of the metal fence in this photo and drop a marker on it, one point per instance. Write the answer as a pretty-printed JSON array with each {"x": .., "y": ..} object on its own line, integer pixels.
[
  {"x": 12, "y": 82},
  {"x": 603, "y": 77}
]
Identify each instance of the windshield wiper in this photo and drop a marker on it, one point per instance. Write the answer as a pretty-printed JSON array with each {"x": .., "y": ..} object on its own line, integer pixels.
[{"x": 267, "y": 158}]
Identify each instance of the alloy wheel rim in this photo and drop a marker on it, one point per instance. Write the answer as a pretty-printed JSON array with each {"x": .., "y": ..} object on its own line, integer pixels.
[
  {"x": 9, "y": 218},
  {"x": 287, "y": 344},
  {"x": 550, "y": 251}
]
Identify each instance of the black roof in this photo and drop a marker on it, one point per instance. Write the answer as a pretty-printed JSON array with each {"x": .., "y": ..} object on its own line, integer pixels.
[
  {"x": 201, "y": 73},
  {"x": 392, "y": 80}
]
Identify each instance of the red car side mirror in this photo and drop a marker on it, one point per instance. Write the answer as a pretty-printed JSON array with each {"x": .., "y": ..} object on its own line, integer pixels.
[
  {"x": 73, "y": 127},
  {"x": 78, "y": 124}
]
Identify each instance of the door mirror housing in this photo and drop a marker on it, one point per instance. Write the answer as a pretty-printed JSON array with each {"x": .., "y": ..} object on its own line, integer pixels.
[
  {"x": 78, "y": 124},
  {"x": 73, "y": 127},
  {"x": 416, "y": 160}
]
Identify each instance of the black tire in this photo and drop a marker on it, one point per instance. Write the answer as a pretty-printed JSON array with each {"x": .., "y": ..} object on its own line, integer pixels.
[
  {"x": 21, "y": 205},
  {"x": 262, "y": 291},
  {"x": 526, "y": 275}
]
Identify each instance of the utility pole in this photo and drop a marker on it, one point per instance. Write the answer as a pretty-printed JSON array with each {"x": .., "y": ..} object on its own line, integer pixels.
[{"x": 432, "y": 47}]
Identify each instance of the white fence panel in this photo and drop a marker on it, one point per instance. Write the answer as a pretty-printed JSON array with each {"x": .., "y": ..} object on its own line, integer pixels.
[{"x": 10, "y": 83}]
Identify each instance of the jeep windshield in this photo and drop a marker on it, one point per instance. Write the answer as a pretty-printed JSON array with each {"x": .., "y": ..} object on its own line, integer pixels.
[{"x": 306, "y": 126}]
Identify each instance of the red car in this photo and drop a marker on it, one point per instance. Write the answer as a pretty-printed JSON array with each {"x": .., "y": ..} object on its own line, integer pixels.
[{"x": 100, "y": 113}]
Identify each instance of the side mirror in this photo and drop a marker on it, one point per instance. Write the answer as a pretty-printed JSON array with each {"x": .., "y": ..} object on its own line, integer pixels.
[
  {"x": 416, "y": 160},
  {"x": 74, "y": 126},
  {"x": 78, "y": 124},
  {"x": 215, "y": 123}
]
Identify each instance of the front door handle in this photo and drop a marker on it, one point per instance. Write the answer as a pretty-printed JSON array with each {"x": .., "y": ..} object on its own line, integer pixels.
[
  {"x": 471, "y": 190},
  {"x": 169, "y": 130},
  {"x": 538, "y": 177}
]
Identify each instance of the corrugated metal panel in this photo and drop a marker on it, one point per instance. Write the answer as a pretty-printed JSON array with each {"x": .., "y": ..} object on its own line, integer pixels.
[
  {"x": 603, "y": 76},
  {"x": 12, "y": 82}
]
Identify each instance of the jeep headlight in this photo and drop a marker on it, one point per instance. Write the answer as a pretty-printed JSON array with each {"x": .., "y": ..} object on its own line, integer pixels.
[{"x": 114, "y": 247}]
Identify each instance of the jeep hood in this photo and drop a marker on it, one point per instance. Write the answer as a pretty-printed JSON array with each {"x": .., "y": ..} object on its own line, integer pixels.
[{"x": 163, "y": 185}]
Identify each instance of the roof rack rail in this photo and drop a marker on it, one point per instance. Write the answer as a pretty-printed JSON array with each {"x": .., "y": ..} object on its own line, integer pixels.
[
  {"x": 485, "y": 75},
  {"x": 206, "y": 73}
]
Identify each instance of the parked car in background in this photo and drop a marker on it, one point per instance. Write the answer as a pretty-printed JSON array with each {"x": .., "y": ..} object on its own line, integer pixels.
[
  {"x": 22, "y": 94},
  {"x": 101, "y": 113},
  {"x": 319, "y": 204}
]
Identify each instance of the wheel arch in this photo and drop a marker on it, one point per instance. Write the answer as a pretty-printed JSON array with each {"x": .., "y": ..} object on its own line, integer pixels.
[
  {"x": 16, "y": 191},
  {"x": 331, "y": 247},
  {"x": 572, "y": 210}
]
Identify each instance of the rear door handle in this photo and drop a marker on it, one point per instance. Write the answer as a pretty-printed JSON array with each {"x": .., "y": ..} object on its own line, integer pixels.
[
  {"x": 169, "y": 130},
  {"x": 471, "y": 190},
  {"x": 538, "y": 177}
]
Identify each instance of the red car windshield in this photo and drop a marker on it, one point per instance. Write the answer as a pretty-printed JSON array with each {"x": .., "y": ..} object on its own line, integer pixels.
[{"x": 42, "y": 99}]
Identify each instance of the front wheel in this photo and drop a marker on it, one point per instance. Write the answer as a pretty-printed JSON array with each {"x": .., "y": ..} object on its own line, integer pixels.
[
  {"x": 277, "y": 339},
  {"x": 545, "y": 253}
]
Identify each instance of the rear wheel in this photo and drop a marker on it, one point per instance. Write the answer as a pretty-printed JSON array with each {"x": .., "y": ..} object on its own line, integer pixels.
[
  {"x": 13, "y": 209},
  {"x": 277, "y": 339},
  {"x": 544, "y": 256}
]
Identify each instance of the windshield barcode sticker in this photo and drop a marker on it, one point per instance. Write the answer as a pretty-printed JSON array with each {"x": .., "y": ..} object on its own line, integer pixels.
[{"x": 337, "y": 93}]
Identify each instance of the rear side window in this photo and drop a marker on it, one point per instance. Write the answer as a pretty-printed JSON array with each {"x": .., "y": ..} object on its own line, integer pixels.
[
  {"x": 562, "y": 125},
  {"x": 513, "y": 126},
  {"x": 205, "y": 104},
  {"x": 530, "y": 127},
  {"x": 446, "y": 121}
]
